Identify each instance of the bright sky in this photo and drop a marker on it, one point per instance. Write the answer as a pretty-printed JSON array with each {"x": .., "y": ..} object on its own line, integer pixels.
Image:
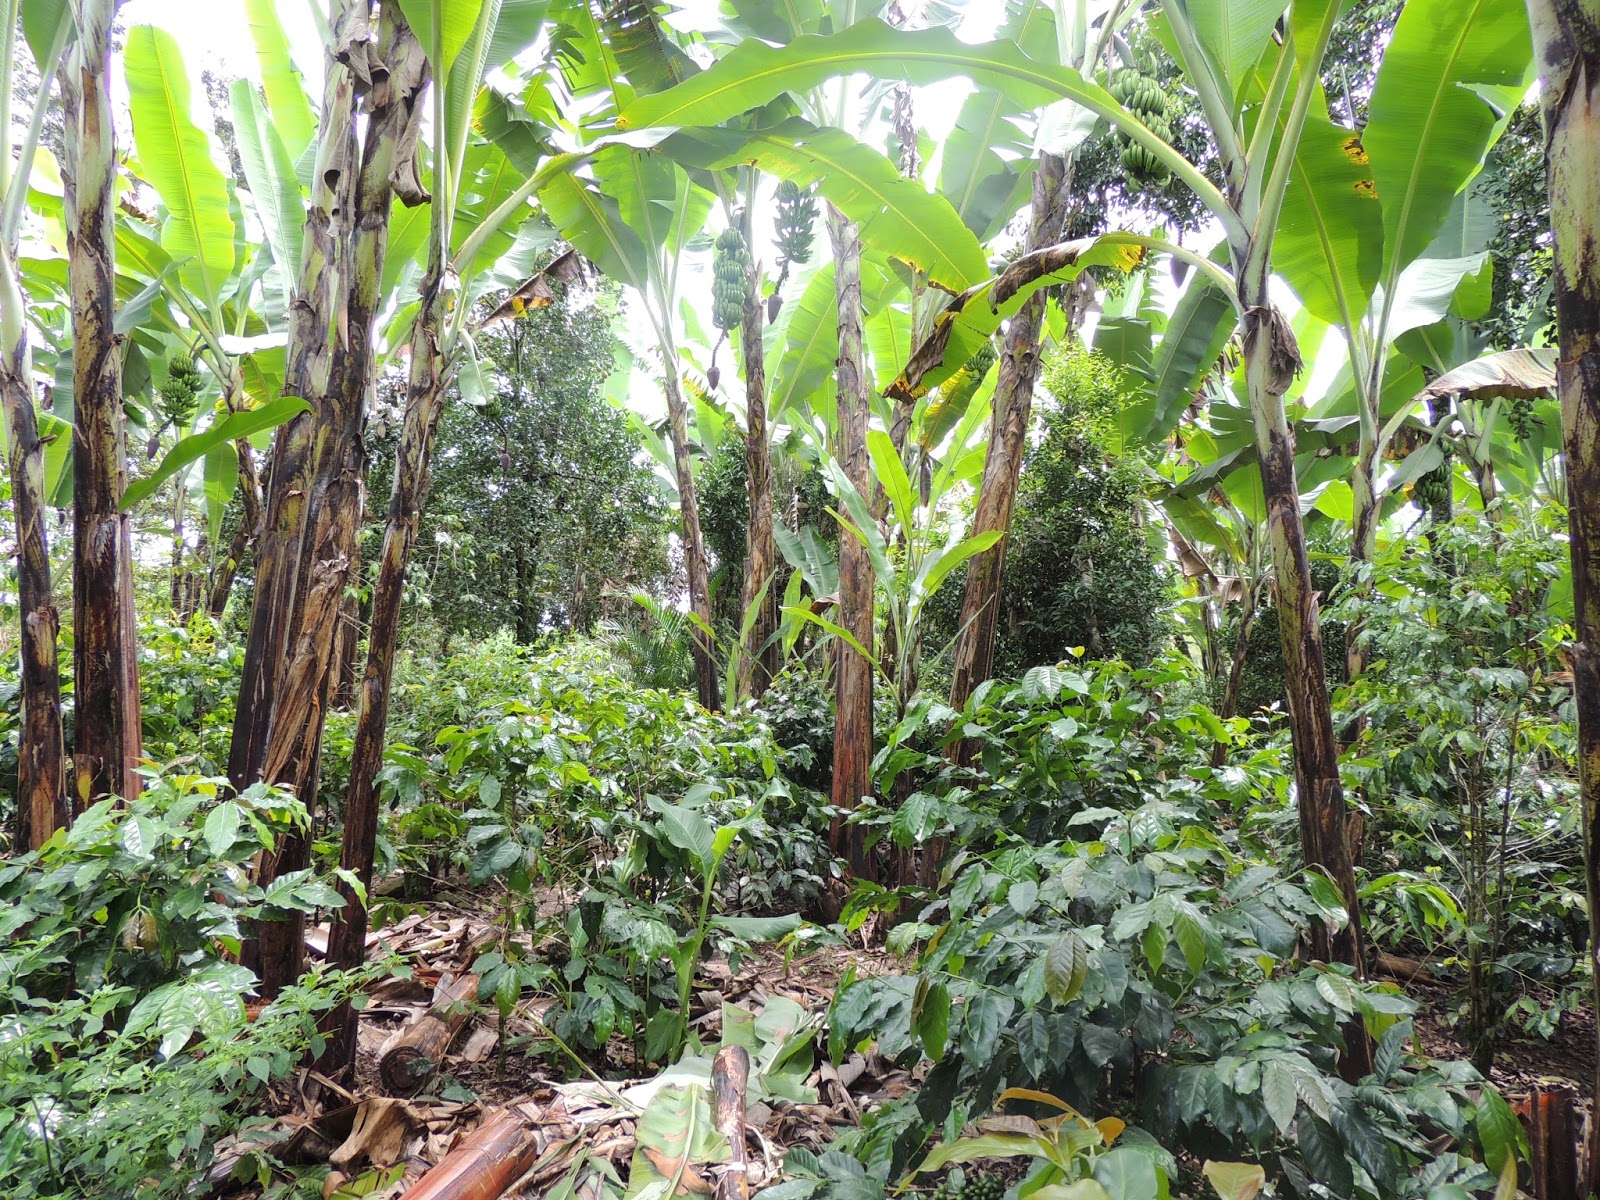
[{"x": 214, "y": 34}]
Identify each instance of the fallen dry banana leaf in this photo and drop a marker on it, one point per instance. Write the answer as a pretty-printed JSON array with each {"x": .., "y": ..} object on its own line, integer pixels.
[{"x": 379, "y": 1135}]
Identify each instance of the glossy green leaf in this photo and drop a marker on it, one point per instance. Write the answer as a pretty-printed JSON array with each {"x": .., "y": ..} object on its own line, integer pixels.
[
  {"x": 43, "y": 21},
  {"x": 1126, "y": 1174},
  {"x": 1196, "y": 334},
  {"x": 1329, "y": 242},
  {"x": 221, "y": 828},
  {"x": 175, "y": 155},
  {"x": 1430, "y": 120},
  {"x": 687, "y": 830},
  {"x": 292, "y": 116},
  {"x": 933, "y": 1021},
  {"x": 754, "y": 73},
  {"x": 890, "y": 473},
  {"x": 269, "y": 169},
  {"x": 986, "y": 162},
  {"x": 593, "y": 224},
  {"x": 1233, "y": 33},
  {"x": 1066, "y": 966},
  {"x": 221, "y": 478},
  {"x": 458, "y": 20}
]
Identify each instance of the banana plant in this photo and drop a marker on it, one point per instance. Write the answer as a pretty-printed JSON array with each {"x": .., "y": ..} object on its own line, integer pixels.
[
  {"x": 1254, "y": 69},
  {"x": 107, "y": 733},
  {"x": 480, "y": 193},
  {"x": 42, "y": 804},
  {"x": 1567, "y": 39},
  {"x": 1078, "y": 43},
  {"x": 1378, "y": 235},
  {"x": 926, "y": 538}
]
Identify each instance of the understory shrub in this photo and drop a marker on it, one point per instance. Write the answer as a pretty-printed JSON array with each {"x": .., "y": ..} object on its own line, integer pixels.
[
  {"x": 1463, "y": 761},
  {"x": 126, "y": 1050}
]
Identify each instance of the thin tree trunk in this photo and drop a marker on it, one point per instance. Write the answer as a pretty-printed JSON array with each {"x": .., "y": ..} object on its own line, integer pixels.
[
  {"x": 313, "y": 501},
  {"x": 708, "y": 687},
  {"x": 175, "y": 581},
  {"x": 424, "y": 404},
  {"x": 42, "y": 805},
  {"x": 105, "y": 665},
  {"x": 852, "y": 729},
  {"x": 1364, "y": 536},
  {"x": 1241, "y": 653},
  {"x": 1271, "y": 360},
  {"x": 244, "y": 536},
  {"x": 759, "y": 662},
  {"x": 1002, "y": 465},
  {"x": 1566, "y": 36},
  {"x": 347, "y": 634},
  {"x": 527, "y": 617}
]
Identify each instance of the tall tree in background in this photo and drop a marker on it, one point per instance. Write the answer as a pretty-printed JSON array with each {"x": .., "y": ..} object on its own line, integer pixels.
[
  {"x": 105, "y": 663},
  {"x": 759, "y": 661},
  {"x": 1566, "y": 38},
  {"x": 1008, "y": 438},
  {"x": 852, "y": 729},
  {"x": 42, "y": 799}
]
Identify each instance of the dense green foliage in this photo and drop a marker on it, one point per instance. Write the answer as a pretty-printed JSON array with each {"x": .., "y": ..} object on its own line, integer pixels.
[
  {"x": 538, "y": 512},
  {"x": 1098, "y": 886},
  {"x": 125, "y": 1051}
]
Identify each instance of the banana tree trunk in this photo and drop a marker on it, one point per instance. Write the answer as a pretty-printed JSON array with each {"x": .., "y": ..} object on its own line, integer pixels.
[
  {"x": 313, "y": 505},
  {"x": 707, "y": 686},
  {"x": 424, "y": 404},
  {"x": 852, "y": 729},
  {"x": 1002, "y": 464},
  {"x": 42, "y": 805},
  {"x": 311, "y": 374},
  {"x": 106, "y": 679},
  {"x": 1566, "y": 37},
  {"x": 1271, "y": 360},
  {"x": 759, "y": 661},
  {"x": 177, "y": 585}
]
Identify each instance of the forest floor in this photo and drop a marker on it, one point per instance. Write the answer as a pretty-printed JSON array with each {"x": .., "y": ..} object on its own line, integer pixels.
[
  {"x": 366, "y": 1129},
  {"x": 1522, "y": 1062}
]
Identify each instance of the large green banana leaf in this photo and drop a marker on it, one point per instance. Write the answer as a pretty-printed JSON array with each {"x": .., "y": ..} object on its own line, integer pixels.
[
  {"x": 898, "y": 217},
  {"x": 286, "y": 94},
  {"x": 458, "y": 21},
  {"x": 754, "y": 73},
  {"x": 1329, "y": 242},
  {"x": 269, "y": 169},
  {"x": 175, "y": 156},
  {"x": 1451, "y": 72},
  {"x": 986, "y": 160}
]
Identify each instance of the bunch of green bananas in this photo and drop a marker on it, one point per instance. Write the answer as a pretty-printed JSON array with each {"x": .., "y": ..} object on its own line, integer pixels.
[
  {"x": 1520, "y": 414},
  {"x": 1138, "y": 91},
  {"x": 180, "y": 391},
  {"x": 797, "y": 215},
  {"x": 730, "y": 282},
  {"x": 1433, "y": 489}
]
